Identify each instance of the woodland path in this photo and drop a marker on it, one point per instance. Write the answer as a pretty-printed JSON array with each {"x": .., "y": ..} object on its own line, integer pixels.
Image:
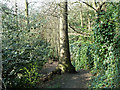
[{"x": 67, "y": 80}]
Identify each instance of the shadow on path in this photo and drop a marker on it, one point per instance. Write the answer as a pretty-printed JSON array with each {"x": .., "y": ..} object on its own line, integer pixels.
[
  {"x": 67, "y": 80},
  {"x": 78, "y": 80}
]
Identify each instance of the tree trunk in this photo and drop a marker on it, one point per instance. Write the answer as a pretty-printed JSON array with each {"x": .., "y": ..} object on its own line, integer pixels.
[
  {"x": 89, "y": 24},
  {"x": 1, "y": 51},
  {"x": 26, "y": 14},
  {"x": 81, "y": 16},
  {"x": 16, "y": 12},
  {"x": 58, "y": 41},
  {"x": 64, "y": 62}
]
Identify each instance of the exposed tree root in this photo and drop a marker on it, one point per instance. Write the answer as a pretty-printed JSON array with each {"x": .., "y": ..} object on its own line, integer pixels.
[
  {"x": 60, "y": 69},
  {"x": 50, "y": 75}
]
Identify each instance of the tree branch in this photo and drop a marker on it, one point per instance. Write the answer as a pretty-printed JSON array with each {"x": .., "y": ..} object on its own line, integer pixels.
[
  {"x": 7, "y": 12},
  {"x": 88, "y": 5},
  {"x": 82, "y": 33},
  {"x": 101, "y": 5},
  {"x": 51, "y": 11},
  {"x": 96, "y": 9}
]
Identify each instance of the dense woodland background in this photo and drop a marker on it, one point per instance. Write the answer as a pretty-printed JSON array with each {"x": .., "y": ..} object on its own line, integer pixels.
[{"x": 31, "y": 38}]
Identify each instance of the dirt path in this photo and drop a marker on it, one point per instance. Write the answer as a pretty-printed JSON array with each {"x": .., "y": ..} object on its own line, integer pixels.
[
  {"x": 67, "y": 80},
  {"x": 47, "y": 68}
]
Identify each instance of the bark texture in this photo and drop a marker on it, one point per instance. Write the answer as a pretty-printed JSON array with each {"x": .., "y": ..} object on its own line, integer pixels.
[{"x": 65, "y": 62}]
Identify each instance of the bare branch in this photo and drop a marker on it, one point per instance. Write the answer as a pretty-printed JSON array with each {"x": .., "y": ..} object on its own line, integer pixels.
[
  {"x": 5, "y": 10},
  {"x": 51, "y": 11},
  {"x": 77, "y": 34},
  {"x": 82, "y": 33},
  {"x": 9, "y": 13},
  {"x": 88, "y": 5},
  {"x": 101, "y": 5},
  {"x": 94, "y": 3}
]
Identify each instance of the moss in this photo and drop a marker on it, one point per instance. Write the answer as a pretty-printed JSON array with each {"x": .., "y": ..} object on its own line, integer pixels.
[
  {"x": 62, "y": 67},
  {"x": 66, "y": 68}
]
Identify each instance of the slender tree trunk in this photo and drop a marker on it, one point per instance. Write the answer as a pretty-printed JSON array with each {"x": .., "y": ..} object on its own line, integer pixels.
[
  {"x": 1, "y": 30},
  {"x": 81, "y": 18},
  {"x": 89, "y": 24},
  {"x": 119, "y": 15},
  {"x": 26, "y": 14},
  {"x": 58, "y": 43},
  {"x": 65, "y": 62},
  {"x": 16, "y": 9},
  {"x": 58, "y": 40}
]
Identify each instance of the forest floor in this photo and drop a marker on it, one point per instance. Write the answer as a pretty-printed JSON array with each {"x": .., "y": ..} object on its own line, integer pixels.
[{"x": 67, "y": 80}]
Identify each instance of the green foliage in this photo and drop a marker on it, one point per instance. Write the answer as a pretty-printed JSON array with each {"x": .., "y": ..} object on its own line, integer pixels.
[
  {"x": 80, "y": 52},
  {"x": 102, "y": 56},
  {"x": 106, "y": 64},
  {"x": 24, "y": 54},
  {"x": 81, "y": 58},
  {"x": 30, "y": 76}
]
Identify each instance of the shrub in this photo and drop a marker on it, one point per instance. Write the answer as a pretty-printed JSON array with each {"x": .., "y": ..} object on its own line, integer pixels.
[{"x": 24, "y": 54}]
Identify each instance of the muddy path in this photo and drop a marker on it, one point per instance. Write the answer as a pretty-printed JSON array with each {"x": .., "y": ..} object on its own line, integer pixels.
[{"x": 67, "y": 80}]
